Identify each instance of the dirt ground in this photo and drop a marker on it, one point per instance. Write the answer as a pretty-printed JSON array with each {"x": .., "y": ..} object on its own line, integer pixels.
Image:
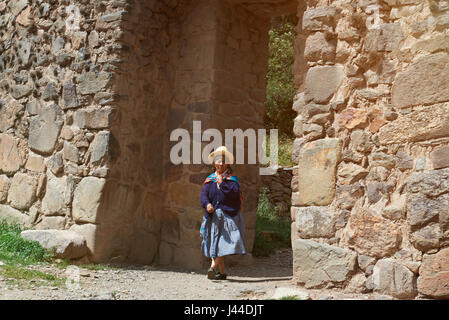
[{"x": 258, "y": 281}]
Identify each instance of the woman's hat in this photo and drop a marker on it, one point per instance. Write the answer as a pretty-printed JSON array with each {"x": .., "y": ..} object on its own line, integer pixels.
[{"x": 221, "y": 151}]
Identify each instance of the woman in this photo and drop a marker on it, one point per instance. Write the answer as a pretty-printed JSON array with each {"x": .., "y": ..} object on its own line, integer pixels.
[{"x": 223, "y": 225}]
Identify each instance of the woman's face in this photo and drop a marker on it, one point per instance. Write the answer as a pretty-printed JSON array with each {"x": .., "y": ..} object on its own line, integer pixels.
[{"x": 220, "y": 166}]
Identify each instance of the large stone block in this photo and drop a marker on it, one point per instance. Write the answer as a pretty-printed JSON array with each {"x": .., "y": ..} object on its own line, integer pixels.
[
  {"x": 317, "y": 265},
  {"x": 392, "y": 278},
  {"x": 422, "y": 124},
  {"x": 98, "y": 149},
  {"x": 315, "y": 222},
  {"x": 423, "y": 82},
  {"x": 11, "y": 215},
  {"x": 320, "y": 47},
  {"x": 44, "y": 129},
  {"x": 428, "y": 208},
  {"x": 22, "y": 192},
  {"x": 57, "y": 195},
  {"x": 10, "y": 157},
  {"x": 93, "y": 82},
  {"x": 86, "y": 199},
  {"x": 322, "y": 82},
  {"x": 317, "y": 161},
  {"x": 4, "y": 187},
  {"x": 370, "y": 234},
  {"x": 64, "y": 243},
  {"x": 434, "y": 275},
  {"x": 320, "y": 19},
  {"x": 387, "y": 37}
]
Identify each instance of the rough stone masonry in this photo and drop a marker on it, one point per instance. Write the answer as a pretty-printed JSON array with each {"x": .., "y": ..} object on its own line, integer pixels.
[
  {"x": 90, "y": 90},
  {"x": 370, "y": 192},
  {"x": 89, "y": 93}
]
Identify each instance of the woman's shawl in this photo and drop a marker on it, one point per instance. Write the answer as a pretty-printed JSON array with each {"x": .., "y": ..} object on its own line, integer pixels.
[{"x": 213, "y": 178}]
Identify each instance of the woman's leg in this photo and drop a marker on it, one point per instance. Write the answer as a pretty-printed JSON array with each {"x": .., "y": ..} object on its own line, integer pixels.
[
  {"x": 213, "y": 264},
  {"x": 221, "y": 265}
]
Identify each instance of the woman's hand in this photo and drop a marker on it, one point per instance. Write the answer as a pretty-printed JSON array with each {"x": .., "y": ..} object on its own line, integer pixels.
[{"x": 210, "y": 208}]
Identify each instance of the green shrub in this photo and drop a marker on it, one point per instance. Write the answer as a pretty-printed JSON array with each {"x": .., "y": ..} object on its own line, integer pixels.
[
  {"x": 269, "y": 223},
  {"x": 280, "y": 84},
  {"x": 16, "y": 250}
]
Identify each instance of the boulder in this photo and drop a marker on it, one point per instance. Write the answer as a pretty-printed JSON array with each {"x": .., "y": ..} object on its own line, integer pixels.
[
  {"x": 66, "y": 244},
  {"x": 44, "y": 129},
  {"x": 434, "y": 275},
  {"x": 86, "y": 199},
  {"x": 22, "y": 192},
  {"x": 317, "y": 161},
  {"x": 424, "y": 123},
  {"x": 317, "y": 265},
  {"x": 315, "y": 222},
  {"x": 423, "y": 82},
  {"x": 392, "y": 278},
  {"x": 370, "y": 234},
  {"x": 322, "y": 82}
]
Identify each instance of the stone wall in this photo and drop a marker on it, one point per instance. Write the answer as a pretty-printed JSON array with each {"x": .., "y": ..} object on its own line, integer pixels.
[
  {"x": 90, "y": 92},
  {"x": 369, "y": 188},
  {"x": 279, "y": 190}
]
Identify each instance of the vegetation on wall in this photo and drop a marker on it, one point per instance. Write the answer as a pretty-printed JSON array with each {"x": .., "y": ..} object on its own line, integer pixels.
[{"x": 280, "y": 85}]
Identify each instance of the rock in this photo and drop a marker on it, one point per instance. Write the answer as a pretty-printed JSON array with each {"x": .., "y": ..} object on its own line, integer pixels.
[
  {"x": 365, "y": 261},
  {"x": 349, "y": 173},
  {"x": 50, "y": 92},
  {"x": 361, "y": 141},
  {"x": 380, "y": 159},
  {"x": 35, "y": 163},
  {"x": 434, "y": 275},
  {"x": 315, "y": 222},
  {"x": 70, "y": 152},
  {"x": 44, "y": 129},
  {"x": 4, "y": 187},
  {"x": 370, "y": 234},
  {"x": 357, "y": 284},
  {"x": 317, "y": 265},
  {"x": 55, "y": 163},
  {"x": 10, "y": 157},
  {"x": 375, "y": 191},
  {"x": 86, "y": 199},
  {"x": 48, "y": 223},
  {"x": 24, "y": 18},
  {"x": 395, "y": 210},
  {"x": 322, "y": 82},
  {"x": 33, "y": 107},
  {"x": 317, "y": 161},
  {"x": 404, "y": 161},
  {"x": 22, "y": 192},
  {"x": 427, "y": 208},
  {"x": 66, "y": 244},
  {"x": 17, "y": 6},
  {"x": 320, "y": 19},
  {"x": 376, "y": 124},
  {"x": 392, "y": 278},
  {"x": 11, "y": 215},
  {"x": 57, "y": 45},
  {"x": 93, "y": 118},
  {"x": 58, "y": 195},
  {"x": 423, "y": 82},
  {"x": 318, "y": 47},
  {"x": 387, "y": 37},
  {"x": 312, "y": 131},
  {"x": 98, "y": 149},
  {"x": 19, "y": 91},
  {"x": 347, "y": 195},
  {"x": 440, "y": 157},
  {"x": 9, "y": 113},
  {"x": 422, "y": 124},
  {"x": 93, "y": 82},
  {"x": 314, "y": 109},
  {"x": 352, "y": 118},
  {"x": 281, "y": 292},
  {"x": 69, "y": 96}
]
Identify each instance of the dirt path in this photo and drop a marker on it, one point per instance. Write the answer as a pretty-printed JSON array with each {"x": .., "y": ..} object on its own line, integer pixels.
[{"x": 258, "y": 281}]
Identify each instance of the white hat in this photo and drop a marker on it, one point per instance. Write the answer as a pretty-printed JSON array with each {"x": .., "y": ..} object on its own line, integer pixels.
[{"x": 223, "y": 152}]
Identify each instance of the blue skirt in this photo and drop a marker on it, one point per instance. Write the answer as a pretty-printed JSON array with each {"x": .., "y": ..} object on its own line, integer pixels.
[{"x": 222, "y": 234}]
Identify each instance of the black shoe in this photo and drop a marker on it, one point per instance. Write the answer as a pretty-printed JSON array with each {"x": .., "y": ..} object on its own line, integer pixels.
[
  {"x": 220, "y": 276},
  {"x": 211, "y": 273}
]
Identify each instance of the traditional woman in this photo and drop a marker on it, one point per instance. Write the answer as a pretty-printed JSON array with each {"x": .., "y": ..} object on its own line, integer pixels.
[{"x": 223, "y": 225}]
